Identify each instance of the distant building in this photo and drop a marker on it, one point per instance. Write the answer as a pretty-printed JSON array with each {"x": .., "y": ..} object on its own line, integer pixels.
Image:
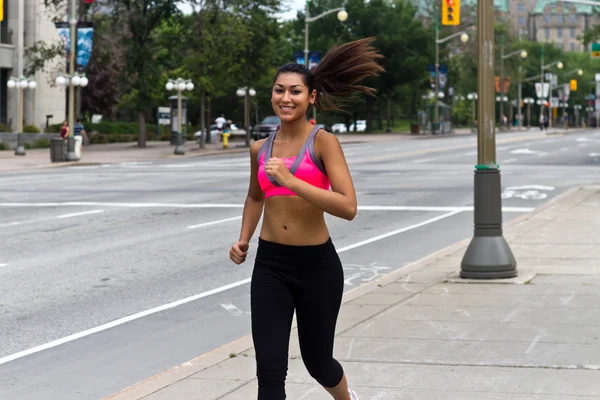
[
  {"x": 548, "y": 21},
  {"x": 32, "y": 19},
  {"x": 561, "y": 23}
]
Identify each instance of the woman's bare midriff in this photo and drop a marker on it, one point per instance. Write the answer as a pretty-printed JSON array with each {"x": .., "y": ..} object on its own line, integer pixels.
[{"x": 293, "y": 221}]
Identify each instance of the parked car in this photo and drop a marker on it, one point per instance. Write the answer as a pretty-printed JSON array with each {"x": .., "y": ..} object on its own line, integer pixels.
[
  {"x": 339, "y": 128},
  {"x": 268, "y": 126},
  {"x": 361, "y": 126}
]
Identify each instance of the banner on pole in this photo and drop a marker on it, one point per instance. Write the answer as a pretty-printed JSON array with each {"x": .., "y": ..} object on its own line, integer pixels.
[{"x": 83, "y": 47}]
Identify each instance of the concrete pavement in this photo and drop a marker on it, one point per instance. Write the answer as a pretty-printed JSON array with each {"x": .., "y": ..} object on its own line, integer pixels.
[{"x": 423, "y": 333}]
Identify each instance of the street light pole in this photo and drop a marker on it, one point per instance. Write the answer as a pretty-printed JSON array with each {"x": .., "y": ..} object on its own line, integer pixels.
[
  {"x": 71, "y": 80},
  {"x": 436, "y": 117},
  {"x": 342, "y": 15},
  {"x": 502, "y": 80},
  {"x": 180, "y": 85},
  {"x": 488, "y": 255},
  {"x": 246, "y": 92},
  {"x": 464, "y": 37},
  {"x": 73, "y": 32},
  {"x": 523, "y": 54},
  {"x": 20, "y": 84}
]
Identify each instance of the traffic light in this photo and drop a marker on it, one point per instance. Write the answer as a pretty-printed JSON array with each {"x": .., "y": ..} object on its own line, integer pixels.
[
  {"x": 450, "y": 12},
  {"x": 573, "y": 83}
]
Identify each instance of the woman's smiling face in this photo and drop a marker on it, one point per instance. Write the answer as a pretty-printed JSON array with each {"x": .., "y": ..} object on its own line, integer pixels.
[{"x": 290, "y": 97}]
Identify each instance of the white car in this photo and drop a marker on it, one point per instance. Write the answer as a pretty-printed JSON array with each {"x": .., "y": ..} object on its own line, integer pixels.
[
  {"x": 338, "y": 128},
  {"x": 361, "y": 126}
]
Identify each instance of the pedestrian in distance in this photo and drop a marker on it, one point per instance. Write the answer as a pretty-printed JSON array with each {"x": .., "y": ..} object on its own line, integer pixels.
[
  {"x": 64, "y": 130},
  {"x": 298, "y": 174},
  {"x": 79, "y": 134}
]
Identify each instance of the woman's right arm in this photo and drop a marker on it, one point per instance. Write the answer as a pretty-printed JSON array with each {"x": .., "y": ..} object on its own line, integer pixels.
[{"x": 255, "y": 199}]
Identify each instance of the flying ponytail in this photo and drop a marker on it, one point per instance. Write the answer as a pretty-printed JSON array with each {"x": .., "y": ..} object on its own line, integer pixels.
[
  {"x": 342, "y": 68},
  {"x": 337, "y": 76}
]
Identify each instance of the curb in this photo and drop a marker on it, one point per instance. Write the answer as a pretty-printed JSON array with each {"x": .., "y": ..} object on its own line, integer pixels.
[{"x": 207, "y": 360}]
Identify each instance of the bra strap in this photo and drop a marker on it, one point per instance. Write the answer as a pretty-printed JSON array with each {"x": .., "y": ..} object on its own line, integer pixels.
[{"x": 309, "y": 142}]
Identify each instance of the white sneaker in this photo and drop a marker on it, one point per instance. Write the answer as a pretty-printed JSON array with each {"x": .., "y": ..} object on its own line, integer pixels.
[{"x": 353, "y": 395}]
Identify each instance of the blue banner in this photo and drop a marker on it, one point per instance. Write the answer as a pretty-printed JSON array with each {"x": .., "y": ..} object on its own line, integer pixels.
[
  {"x": 314, "y": 58},
  {"x": 85, "y": 35},
  {"x": 299, "y": 57}
]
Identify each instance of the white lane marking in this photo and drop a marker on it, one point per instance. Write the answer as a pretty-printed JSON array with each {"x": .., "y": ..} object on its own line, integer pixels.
[
  {"x": 471, "y": 153},
  {"x": 3, "y": 265},
  {"x": 217, "y": 205},
  {"x": 232, "y": 309},
  {"x": 119, "y": 321},
  {"x": 533, "y": 187},
  {"x": 79, "y": 214},
  {"x": 424, "y": 160},
  {"x": 562, "y": 149},
  {"x": 525, "y": 151},
  {"x": 397, "y": 231},
  {"x": 436, "y": 209},
  {"x": 510, "y": 160},
  {"x": 594, "y": 154},
  {"x": 189, "y": 299},
  {"x": 214, "y": 222},
  {"x": 532, "y": 345},
  {"x": 126, "y": 205}
]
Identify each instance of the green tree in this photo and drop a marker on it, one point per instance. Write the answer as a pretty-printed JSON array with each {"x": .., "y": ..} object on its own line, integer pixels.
[{"x": 404, "y": 41}]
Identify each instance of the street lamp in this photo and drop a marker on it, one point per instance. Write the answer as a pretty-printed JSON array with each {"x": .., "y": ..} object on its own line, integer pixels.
[
  {"x": 577, "y": 110},
  {"x": 72, "y": 81},
  {"x": 559, "y": 65},
  {"x": 464, "y": 37},
  {"x": 529, "y": 101},
  {"x": 246, "y": 93},
  {"x": 180, "y": 85},
  {"x": 473, "y": 97},
  {"x": 20, "y": 84},
  {"x": 522, "y": 53},
  {"x": 342, "y": 15},
  {"x": 488, "y": 255}
]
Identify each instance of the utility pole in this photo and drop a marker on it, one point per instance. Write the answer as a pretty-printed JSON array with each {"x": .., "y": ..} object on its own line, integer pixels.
[{"x": 488, "y": 255}]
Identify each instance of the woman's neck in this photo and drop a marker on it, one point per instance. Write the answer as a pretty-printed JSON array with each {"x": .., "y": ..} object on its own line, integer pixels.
[{"x": 289, "y": 131}]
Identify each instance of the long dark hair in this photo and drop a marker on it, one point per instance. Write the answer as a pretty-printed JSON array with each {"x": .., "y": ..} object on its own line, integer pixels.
[{"x": 338, "y": 74}]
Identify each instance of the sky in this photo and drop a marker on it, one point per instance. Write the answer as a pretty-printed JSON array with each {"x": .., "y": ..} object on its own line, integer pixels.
[{"x": 292, "y": 5}]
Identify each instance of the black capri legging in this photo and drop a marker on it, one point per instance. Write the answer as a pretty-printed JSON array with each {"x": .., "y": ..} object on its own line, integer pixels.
[{"x": 309, "y": 279}]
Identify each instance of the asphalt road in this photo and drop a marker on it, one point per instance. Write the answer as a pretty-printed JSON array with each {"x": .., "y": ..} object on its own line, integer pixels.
[{"x": 112, "y": 273}]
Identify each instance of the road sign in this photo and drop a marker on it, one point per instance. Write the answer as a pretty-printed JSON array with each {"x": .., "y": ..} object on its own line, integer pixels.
[
  {"x": 443, "y": 80},
  {"x": 595, "y": 50},
  {"x": 538, "y": 89},
  {"x": 566, "y": 91}
]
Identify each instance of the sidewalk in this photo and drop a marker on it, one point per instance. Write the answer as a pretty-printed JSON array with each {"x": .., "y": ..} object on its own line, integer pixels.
[{"x": 421, "y": 333}]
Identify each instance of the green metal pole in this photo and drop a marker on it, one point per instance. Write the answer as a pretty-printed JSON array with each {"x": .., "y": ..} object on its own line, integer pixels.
[
  {"x": 436, "y": 117},
  {"x": 488, "y": 255},
  {"x": 501, "y": 80}
]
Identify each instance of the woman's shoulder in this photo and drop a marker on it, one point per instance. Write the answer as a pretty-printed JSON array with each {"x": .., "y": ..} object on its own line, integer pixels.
[{"x": 256, "y": 146}]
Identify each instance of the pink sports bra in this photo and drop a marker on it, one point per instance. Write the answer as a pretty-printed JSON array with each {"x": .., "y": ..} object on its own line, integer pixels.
[{"x": 305, "y": 166}]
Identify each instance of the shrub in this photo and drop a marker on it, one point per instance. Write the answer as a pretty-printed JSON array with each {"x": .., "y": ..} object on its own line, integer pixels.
[
  {"x": 31, "y": 129},
  {"x": 3, "y": 146},
  {"x": 38, "y": 144},
  {"x": 4, "y": 128}
]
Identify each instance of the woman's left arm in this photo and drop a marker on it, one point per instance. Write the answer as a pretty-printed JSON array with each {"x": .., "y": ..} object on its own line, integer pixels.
[{"x": 341, "y": 200}]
